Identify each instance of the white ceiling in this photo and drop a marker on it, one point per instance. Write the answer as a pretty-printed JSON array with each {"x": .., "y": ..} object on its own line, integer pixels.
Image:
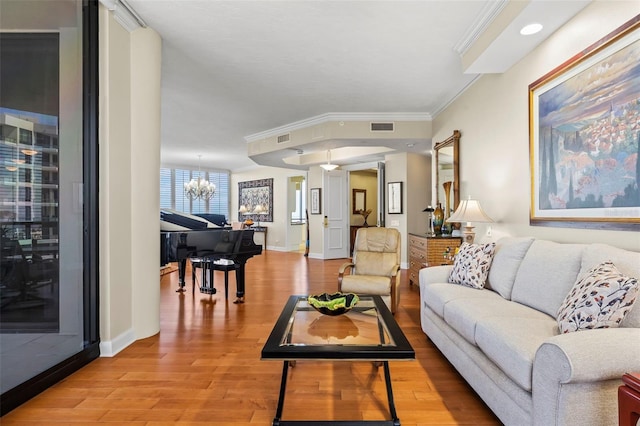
[{"x": 232, "y": 69}]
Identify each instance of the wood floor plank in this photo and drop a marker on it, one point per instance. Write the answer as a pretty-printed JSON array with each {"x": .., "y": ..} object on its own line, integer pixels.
[{"x": 204, "y": 366}]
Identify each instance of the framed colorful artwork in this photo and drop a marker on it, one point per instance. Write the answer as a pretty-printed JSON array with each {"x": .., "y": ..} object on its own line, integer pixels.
[{"x": 584, "y": 131}]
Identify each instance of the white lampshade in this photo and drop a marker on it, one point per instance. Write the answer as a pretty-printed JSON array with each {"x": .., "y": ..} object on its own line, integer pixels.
[
  {"x": 328, "y": 167},
  {"x": 243, "y": 209},
  {"x": 469, "y": 211}
]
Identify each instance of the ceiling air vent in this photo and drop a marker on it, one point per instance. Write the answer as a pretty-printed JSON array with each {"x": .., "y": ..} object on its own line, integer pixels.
[
  {"x": 382, "y": 127},
  {"x": 284, "y": 138}
]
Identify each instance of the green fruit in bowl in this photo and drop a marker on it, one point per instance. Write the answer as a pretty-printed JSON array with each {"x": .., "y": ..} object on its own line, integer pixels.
[{"x": 333, "y": 303}]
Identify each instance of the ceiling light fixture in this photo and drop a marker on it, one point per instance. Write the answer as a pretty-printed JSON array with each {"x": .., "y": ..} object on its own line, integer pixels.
[
  {"x": 328, "y": 167},
  {"x": 199, "y": 188},
  {"x": 531, "y": 29},
  {"x": 29, "y": 151}
]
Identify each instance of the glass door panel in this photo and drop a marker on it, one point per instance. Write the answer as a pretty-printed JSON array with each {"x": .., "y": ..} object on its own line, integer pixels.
[{"x": 41, "y": 188}]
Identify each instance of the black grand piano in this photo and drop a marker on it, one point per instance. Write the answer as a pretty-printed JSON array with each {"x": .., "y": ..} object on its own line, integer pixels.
[{"x": 210, "y": 245}]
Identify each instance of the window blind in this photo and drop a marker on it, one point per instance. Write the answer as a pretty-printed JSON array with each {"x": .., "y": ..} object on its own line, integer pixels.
[{"x": 172, "y": 191}]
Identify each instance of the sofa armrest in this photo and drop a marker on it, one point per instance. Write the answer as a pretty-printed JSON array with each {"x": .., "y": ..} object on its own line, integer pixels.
[
  {"x": 576, "y": 375},
  {"x": 587, "y": 356},
  {"x": 435, "y": 274}
]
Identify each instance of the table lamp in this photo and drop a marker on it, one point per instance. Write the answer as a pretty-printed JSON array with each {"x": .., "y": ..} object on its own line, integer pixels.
[
  {"x": 430, "y": 231},
  {"x": 469, "y": 211},
  {"x": 259, "y": 209}
]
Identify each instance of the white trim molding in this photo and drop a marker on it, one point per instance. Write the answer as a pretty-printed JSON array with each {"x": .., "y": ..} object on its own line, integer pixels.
[{"x": 124, "y": 14}]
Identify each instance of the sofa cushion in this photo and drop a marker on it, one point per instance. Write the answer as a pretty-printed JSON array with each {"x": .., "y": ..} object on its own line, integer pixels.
[
  {"x": 512, "y": 343},
  {"x": 471, "y": 264},
  {"x": 599, "y": 299},
  {"x": 546, "y": 274},
  {"x": 506, "y": 261},
  {"x": 437, "y": 295},
  {"x": 627, "y": 262},
  {"x": 463, "y": 315}
]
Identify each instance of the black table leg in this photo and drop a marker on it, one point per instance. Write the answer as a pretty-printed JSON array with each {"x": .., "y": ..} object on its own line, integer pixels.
[
  {"x": 392, "y": 405},
  {"x": 283, "y": 387}
]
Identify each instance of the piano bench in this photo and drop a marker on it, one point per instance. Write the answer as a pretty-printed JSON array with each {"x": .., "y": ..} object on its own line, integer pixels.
[{"x": 210, "y": 265}]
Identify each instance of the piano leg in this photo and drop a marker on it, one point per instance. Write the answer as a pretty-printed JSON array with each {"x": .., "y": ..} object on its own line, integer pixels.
[
  {"x": 240, "y": 284},
  {"x": 182, "y": 267},
  {"x": 206, "y": 285}
]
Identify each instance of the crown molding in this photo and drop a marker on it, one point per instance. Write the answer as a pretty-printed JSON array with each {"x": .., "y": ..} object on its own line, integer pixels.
[
  {"x": 124, "y": 14},
  {"x": 486, "y": 16},
  {"x": 339, "y": 116}
]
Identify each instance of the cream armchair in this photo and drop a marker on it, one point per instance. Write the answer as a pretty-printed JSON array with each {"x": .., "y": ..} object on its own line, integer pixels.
[{"x": 375, "y": 267}]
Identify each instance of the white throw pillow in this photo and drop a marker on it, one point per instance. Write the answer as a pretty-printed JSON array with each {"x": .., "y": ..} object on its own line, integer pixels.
[
  {"x": 599, "y": 299},
  {"x": 471, "y": 264}
]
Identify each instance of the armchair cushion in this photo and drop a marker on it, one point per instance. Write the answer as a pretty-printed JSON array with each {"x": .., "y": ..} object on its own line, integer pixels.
[
  {"x": 372, "y": 263},
  {"x": 367, "y": 284}
]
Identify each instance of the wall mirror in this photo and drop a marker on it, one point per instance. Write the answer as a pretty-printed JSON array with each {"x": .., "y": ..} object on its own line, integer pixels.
[
  {"x": 447, "y": 155},
  {"x": 359, "y": 200}
]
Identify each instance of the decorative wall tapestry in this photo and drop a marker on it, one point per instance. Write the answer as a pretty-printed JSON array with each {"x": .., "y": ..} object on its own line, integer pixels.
[
  {"x": 255, "y": 200},
  {"x": 584, "y": 137}
]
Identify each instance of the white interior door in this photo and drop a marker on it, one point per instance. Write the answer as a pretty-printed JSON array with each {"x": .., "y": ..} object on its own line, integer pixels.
[{"x": 336, "y": 221}]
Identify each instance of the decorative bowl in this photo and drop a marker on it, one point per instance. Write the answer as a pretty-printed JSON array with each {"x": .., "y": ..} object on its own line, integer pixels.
[{"x": 333, "y": 303}]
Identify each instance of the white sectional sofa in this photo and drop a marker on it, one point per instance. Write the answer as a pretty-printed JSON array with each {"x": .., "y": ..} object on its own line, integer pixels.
[{"x": 505, "y": 340}]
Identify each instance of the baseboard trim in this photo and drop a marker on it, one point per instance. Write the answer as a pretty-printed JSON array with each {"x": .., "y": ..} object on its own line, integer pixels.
[{"x": 110, "y": 348}]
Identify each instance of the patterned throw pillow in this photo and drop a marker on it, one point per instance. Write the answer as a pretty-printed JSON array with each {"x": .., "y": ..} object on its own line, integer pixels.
[
  {"x": 599, "y": 299},
  {"x": 471, "y": 264}
]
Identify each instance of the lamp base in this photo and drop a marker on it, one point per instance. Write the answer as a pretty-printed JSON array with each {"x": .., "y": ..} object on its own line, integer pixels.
[{"x": 468, "y": 235}]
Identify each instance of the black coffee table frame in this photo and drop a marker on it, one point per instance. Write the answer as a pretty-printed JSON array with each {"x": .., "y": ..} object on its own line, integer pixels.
[{"x": 398, "y": 348}]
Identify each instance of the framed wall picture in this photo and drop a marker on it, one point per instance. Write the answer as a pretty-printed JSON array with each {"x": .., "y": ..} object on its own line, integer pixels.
[
  {"x": 394, "y": 197},
  {"x": 584, "y": 139},
  {"x": 316, "y": 203},
  {"x": 359, "y": 200},
  {"x": 255, "y": 200}
]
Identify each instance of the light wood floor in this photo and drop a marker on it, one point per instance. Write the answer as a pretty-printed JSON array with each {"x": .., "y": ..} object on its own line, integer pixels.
[{"x": 204, "y": 366}]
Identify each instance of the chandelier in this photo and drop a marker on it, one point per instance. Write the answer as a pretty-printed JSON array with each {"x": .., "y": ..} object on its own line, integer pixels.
[{"x": 199, "y": 188}]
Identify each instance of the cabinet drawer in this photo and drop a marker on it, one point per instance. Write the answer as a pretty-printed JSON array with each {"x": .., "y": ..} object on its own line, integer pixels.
[
  {"x": 414, "y": 275},
  {"x": 417, "y": 254},
  {"x": 417, "y": 243}
]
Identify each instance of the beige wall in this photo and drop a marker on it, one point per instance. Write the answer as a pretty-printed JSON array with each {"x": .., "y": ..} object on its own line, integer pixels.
[
  {"x": 418, "y": 193},
  {"x": 492, "y": 116},
  {"x": 129, "y": 241},
  {"x": 280, "y": 230}
]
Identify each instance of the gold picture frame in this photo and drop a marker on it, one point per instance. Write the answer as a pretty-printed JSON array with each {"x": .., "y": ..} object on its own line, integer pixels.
[{"x": 583, "y": 143}]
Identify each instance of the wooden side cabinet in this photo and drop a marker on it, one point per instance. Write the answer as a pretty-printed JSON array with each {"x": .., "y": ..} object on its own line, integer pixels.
[{"x": 429, "y": 251}]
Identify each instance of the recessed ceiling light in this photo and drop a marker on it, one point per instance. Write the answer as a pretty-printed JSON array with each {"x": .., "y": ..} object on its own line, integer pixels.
[{"x": 531, "y": 29}]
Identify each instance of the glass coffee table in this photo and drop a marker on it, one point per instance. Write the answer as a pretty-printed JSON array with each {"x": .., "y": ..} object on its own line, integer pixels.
[{"x": 368, "y": 332}]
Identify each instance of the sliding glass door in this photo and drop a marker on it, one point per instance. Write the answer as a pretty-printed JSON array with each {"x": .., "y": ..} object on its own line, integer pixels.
[{"x": 48, "y": 302}]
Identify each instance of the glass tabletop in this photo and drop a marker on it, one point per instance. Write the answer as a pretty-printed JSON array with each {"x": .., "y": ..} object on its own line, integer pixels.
[{"x": 368, "y": 331}]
